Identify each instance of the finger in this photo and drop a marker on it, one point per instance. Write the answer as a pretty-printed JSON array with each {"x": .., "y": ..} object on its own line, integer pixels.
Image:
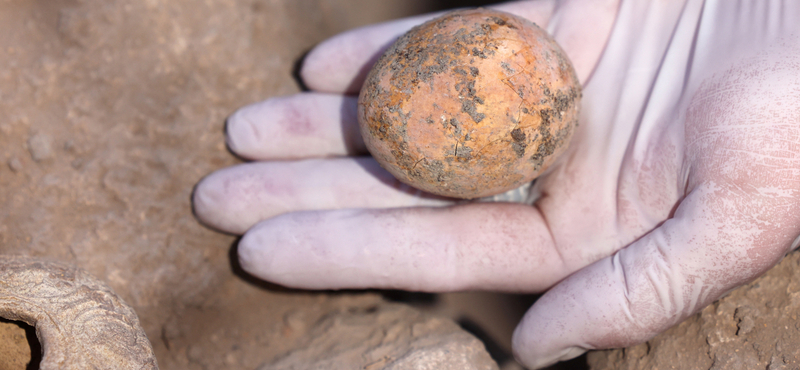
[
  {"x": 341, "y": 63},
  {"x": 298, "y": 126},
  {"x": 500, "y": 246},
  {"x": 235, "y": 198},
  {"x": 709, "y": 247}
]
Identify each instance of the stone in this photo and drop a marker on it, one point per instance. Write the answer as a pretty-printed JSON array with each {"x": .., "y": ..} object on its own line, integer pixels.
[
  {"x": 387, "y": 336},
  {"x": 14, "y": 164},
  {"x": 41, "y": 147},
  {"x": 80, "y": 322}
]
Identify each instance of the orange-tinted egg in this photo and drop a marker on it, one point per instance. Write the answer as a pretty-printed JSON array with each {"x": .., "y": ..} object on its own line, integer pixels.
[{"x": 470, "y": 104}]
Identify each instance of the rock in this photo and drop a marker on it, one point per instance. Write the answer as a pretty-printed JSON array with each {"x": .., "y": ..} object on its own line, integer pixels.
[
  {"x": 385, "y": 336},
  {"x": 14, "y": 164},
  {"x": 755, "y": 327},
  {"x": 79, "y": 321},
  {"x": 41, "y": 147}
]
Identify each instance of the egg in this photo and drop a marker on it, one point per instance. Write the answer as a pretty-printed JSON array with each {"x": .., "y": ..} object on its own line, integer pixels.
[{"x": 473, "y": 103}]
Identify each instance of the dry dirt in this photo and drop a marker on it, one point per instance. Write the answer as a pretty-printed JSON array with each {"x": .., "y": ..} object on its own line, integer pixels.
[
  {"x": 110, "y": 112},
  {"x": 15, "y": 351}
]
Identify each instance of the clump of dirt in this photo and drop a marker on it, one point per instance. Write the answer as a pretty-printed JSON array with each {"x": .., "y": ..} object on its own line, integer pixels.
[{"x": 754, "y": 327}]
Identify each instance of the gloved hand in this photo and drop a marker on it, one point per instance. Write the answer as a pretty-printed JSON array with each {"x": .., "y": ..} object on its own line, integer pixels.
[{"x": 681, "y": 183}]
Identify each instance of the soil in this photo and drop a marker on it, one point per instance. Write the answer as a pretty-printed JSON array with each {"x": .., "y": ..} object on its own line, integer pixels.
[
  {"x": 15, "y": 351},
  {"x": 754, "y": 327},
  {"x": 110, "y": 112}
]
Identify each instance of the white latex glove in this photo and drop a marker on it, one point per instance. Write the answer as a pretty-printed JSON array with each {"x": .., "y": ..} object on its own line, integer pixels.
[{"x": 681, "y": 183}]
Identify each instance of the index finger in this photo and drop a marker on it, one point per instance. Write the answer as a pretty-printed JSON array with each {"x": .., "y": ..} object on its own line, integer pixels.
[{"x": 341, "y": 63}]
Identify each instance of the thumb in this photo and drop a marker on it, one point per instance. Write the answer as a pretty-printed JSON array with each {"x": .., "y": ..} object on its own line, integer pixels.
[{"x": 704, "y": 251}]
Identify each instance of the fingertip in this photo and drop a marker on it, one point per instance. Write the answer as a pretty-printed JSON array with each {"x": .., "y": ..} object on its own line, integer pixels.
[
  {"x": 518, "y": 345},
  {"x": 309, "y": 70},
  {"x": 318, "y": 71},
  {"x": 242, "y": 136},
  {"x": 527, "y": 347},
  {"x": 522, "y": 341},
  {"x": 281, "y": 251},
  {"x": 340, "y": 64},
  {"x": 539, "y": 341},
  {"x": 203, "y": 200},
  {"x": 253, "y": 252},
  {"x": 213, "y": 205}
]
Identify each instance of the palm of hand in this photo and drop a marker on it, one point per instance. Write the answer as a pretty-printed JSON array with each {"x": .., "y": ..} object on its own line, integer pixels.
[{"x": 673, "y": 191}]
